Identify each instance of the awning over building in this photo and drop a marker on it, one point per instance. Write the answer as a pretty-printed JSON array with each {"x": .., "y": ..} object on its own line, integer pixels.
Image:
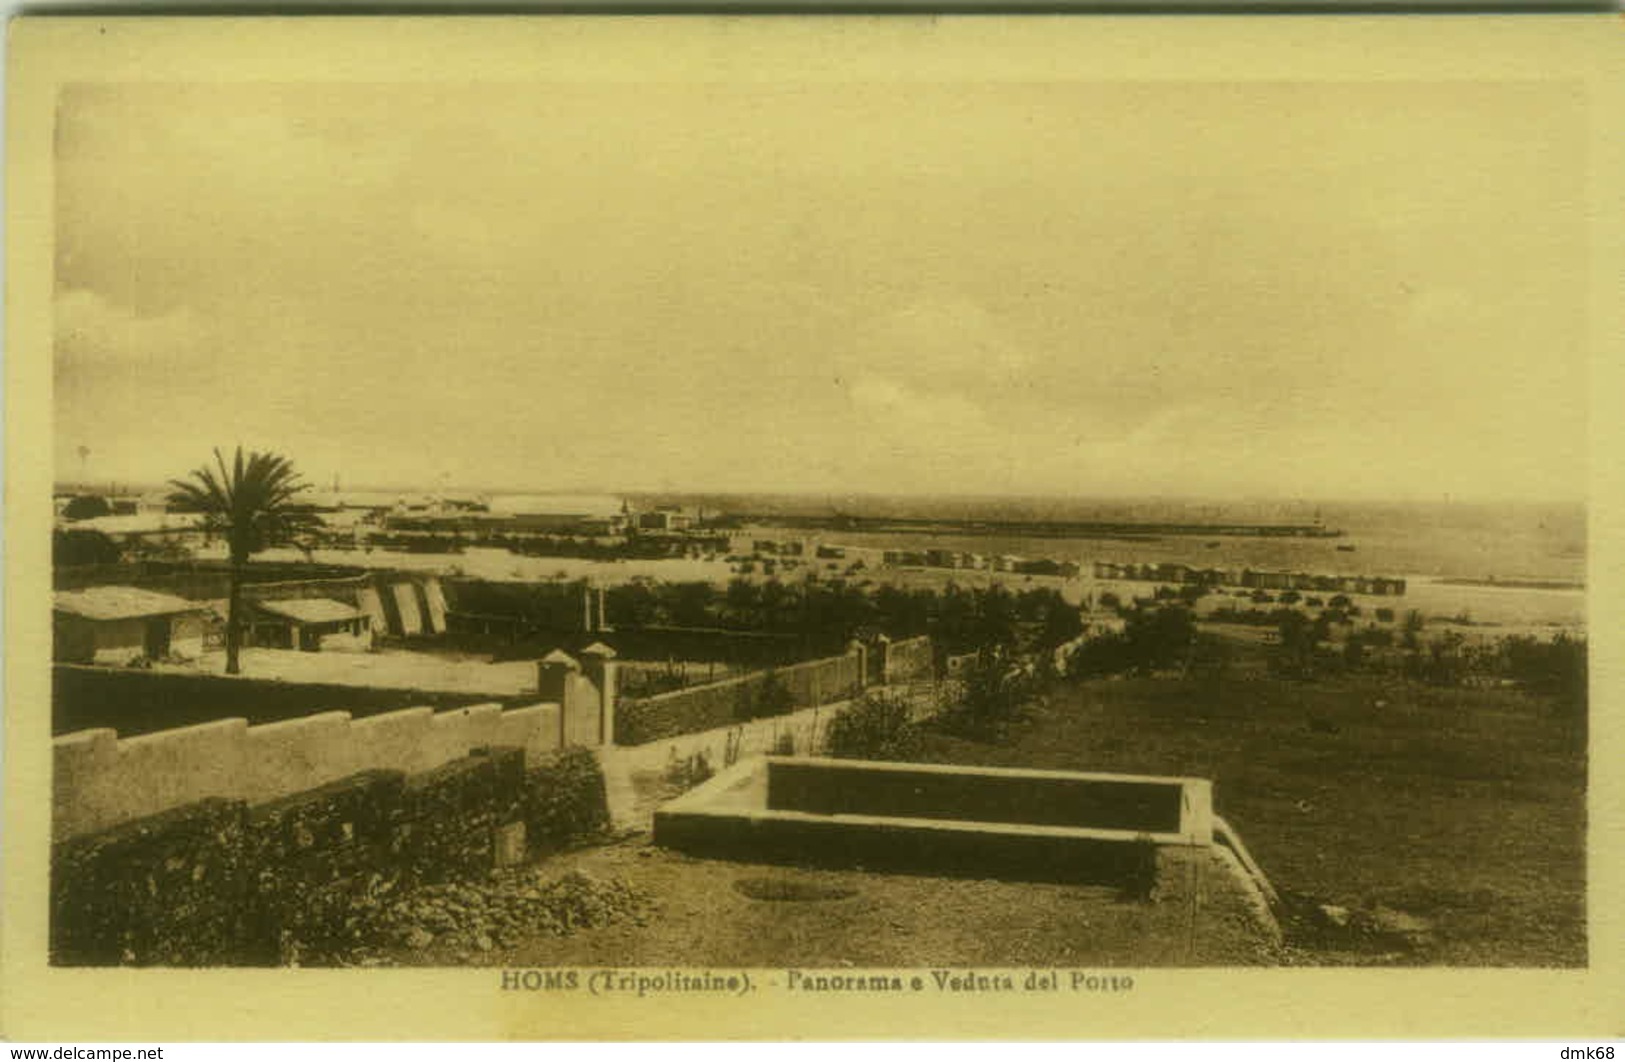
[{"x": 121, "y": 602}]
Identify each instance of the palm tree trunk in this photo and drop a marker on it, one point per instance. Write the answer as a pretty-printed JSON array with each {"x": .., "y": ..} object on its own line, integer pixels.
[{"x": 234, "y": 620}]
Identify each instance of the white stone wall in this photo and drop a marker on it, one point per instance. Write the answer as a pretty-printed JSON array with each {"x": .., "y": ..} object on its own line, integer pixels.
[{"x": 101, "y": 780}]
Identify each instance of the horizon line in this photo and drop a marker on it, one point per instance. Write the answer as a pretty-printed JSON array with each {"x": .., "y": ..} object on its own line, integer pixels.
[{"x": 1196, "y": 496}]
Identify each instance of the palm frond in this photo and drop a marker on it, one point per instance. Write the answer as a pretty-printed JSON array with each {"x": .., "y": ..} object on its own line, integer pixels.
[{"x": 249, "y": 500}]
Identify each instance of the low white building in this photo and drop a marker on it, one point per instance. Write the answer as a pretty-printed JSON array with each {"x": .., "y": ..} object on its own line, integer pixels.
[
  {"x": 117, "y": 624},
  {"x": 310, "y": 624}
]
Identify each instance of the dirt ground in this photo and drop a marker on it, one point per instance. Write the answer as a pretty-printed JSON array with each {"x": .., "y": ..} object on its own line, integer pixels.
[
  {"x": 716, "y": 913},
  {"x": 399, "y": 668}
]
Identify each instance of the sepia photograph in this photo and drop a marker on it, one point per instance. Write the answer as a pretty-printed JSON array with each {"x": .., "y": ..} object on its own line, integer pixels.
[{"x": 836, "y": 512}]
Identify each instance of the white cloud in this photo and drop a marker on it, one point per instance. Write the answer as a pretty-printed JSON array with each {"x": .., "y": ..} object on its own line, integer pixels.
[
  {"x": 949, "y": 341},
  {"x": 95, "y": 334}
]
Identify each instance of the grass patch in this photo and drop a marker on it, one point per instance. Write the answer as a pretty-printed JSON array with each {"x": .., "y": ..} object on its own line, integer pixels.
[{"x": 1463, "y": 807}]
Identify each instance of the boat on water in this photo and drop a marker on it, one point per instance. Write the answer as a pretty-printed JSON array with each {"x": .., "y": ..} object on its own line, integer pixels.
[{"x": 1345, "y": 549}]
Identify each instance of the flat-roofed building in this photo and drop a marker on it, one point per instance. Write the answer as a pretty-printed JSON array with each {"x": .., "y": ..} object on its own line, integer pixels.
[
  {"x": 310, "y": 624},
  {"x": 118, "y": 624}
]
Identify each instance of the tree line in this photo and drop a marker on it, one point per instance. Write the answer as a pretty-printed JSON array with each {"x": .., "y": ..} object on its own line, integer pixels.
[{"x": 961, "y": 618}]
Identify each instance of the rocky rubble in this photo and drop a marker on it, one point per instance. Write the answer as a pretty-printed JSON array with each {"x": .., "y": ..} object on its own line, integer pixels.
[
  {"x": 1327, "y": 929},
  {"x": 470, "y": 917}
]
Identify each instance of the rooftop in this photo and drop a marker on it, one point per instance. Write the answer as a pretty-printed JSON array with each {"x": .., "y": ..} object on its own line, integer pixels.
[
  {"x": 139, "y": 523},
  {"x": 121, "y": 602},
  {"x": 311, "y": 610}
]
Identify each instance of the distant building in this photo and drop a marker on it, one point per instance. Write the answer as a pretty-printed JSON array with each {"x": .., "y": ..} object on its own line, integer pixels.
[
  {"x": 569, "y": 514},
  {"x": 117, "y": 624},
  {"x": 664, "y": 519},
  {"x": 148, "y": 529}
]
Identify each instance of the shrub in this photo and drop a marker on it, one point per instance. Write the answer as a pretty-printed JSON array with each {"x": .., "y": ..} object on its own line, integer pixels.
[
  {"x": 565, "y": 801},
  {"x": 874, "y": 728},
  {"x": 759, "y": 700},
  {"x": 80, "y": 546},
  {"x": 1106, "y": 654},
  {"x": 1161, "y": 638},
  {"x": 1155, "y": 638},
  {"x": 85, "y": 507},
  {"x": 773, "y": 697},
  {"x": 1558, "y": 669},
  {"x": 995, "y": 695}
]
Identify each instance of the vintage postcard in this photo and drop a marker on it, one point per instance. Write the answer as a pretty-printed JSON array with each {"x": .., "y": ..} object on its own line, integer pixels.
[{"x": 735, "y": 527}]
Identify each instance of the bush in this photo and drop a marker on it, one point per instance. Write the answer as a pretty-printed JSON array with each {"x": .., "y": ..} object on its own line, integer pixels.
[
  {"x": 1558, "y": 669},
  {"x": 995, "y": 696},
  {"x": 874, "y": 728},
  {"x": 1155, "y": 638},
  {"x": 1161, "y": 638},
  {"x": 565, "y": 801},
  {"x": 1107, "y": 654},
  {"x": 773, "y": 697},
  {"x": 759, "y": 700},
  {"x": 69, "y": 548},
  {"x": 86, "y": 507}
]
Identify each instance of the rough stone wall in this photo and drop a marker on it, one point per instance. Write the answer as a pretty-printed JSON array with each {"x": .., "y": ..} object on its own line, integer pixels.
[
  {"x": 294, "y": 880},
  {"x": 448, "y": 816},
  {"x": 164, "y": 891},
  {"x": 566, "y": 798},
  {"x": 312, "y": 860}
]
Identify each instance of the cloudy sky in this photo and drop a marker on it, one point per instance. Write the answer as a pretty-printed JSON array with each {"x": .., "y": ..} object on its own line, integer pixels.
[{"x": 1287, "y": 290}]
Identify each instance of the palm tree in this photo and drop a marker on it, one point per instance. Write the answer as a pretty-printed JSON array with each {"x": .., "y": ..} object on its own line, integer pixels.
[{"x": 250, "y": 504}]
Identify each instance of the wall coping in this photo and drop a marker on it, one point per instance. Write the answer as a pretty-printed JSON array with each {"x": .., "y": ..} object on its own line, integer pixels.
[
  {"x": 231, "y": 723},
  {"x": 94, "y": 735}
]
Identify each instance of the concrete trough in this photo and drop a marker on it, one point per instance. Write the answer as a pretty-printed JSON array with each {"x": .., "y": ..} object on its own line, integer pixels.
[{"x": 929, "y": 818}]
